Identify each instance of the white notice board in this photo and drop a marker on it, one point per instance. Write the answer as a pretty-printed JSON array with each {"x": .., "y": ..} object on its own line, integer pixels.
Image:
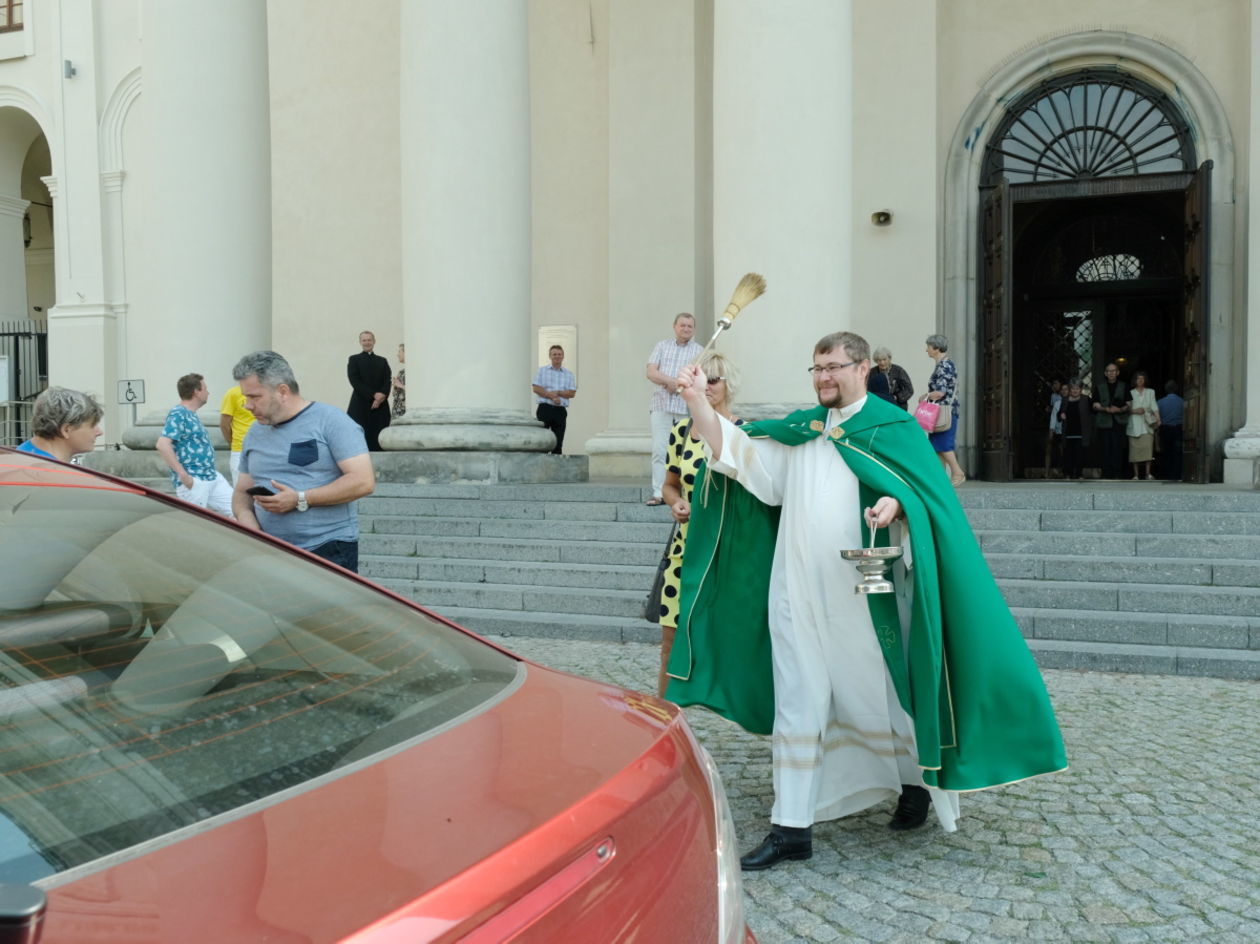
[{"x": 566, "y": 337}]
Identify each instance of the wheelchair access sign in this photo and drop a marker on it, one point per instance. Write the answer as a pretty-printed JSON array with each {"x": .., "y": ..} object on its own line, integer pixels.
[{"x": 130, "y": 391}]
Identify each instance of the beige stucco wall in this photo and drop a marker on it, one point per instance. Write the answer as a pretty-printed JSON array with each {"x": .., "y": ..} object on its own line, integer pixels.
[
  {"x": 335, "y": 175},
  {"x": 568, "y": 53},
  {"x": 896, "y": 168}
]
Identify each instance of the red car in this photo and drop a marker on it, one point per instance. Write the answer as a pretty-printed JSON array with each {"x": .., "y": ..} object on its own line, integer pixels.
[{"x": 211, "y": 736}]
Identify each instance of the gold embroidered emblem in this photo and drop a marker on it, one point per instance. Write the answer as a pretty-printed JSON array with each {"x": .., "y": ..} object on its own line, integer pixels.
[
  {"x": 816, "y": 425},
  {"x": 836, "y": 432}
]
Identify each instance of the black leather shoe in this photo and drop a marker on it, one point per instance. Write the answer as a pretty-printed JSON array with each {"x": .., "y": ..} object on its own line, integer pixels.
[
  {"x": 912, "y": 808},
  {"x": 775, "y": 848}
]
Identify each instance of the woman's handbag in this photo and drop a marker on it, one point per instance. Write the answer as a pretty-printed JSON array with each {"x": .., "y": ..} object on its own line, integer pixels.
[
  {"x": 652, "y": 604},
  {"x": 932, "y": 417}
]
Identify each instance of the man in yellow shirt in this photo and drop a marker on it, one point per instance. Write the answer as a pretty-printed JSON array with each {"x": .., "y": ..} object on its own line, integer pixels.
[{"x": 234, "y": 423}]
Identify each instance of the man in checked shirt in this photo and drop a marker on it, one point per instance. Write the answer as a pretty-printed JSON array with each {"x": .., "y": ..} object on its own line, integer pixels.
[
  {"x": 667, "y": 359},
  {"x": 554, "y": 386}
]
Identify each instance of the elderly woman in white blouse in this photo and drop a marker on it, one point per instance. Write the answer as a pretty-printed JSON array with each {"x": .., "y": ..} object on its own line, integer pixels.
[{"x": 1143, "y": 421}]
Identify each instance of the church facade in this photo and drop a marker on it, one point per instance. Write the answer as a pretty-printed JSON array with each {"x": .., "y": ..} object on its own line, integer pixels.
[{"x": 1052, "y": 186}]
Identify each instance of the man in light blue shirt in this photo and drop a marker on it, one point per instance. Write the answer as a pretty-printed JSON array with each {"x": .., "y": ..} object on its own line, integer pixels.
[
  {"x": 1172, "y": 412},
  {"x": 554, "y": 385},
  {"x": 303, "y": 464}
]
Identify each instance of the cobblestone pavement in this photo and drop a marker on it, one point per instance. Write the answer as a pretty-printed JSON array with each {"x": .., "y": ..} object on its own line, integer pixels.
[{"x": 1148, "y": 837}]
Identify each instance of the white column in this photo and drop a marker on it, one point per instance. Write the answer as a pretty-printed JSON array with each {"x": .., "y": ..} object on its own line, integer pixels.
[
  {"x": 464, "y": 144},
  {"x": 12, "y": 261},
  {"x": 82, "y": 331},
  {"x": 657, "y": 239},
  {"x": 782, "y": 184},
  {"x": 115, "y": 269},
  {"x": 206, "y": 259},
  {"x": 1242, "y": 452}
]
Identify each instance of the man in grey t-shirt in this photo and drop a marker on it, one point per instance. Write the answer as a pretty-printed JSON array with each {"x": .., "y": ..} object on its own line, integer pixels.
[{"x": 310, "y": 457}]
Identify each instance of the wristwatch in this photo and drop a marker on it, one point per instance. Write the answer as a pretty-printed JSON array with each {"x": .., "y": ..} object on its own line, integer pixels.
[{"x": 302, "y": 505}]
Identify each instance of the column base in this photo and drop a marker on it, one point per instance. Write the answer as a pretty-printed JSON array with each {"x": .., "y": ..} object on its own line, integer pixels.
[
  {"x": 466, "y": 430},
  {"x": 751, "y": 412},
  {"x": 144, "y": 435},
  {"x": 620, "y": 454},
  {"x": 435, "y": 467},
  {"x": 1242, "y": 458}
]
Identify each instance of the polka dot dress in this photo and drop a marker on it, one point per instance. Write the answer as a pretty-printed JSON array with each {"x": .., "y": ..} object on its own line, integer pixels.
[{"x": 683, "y": 455}]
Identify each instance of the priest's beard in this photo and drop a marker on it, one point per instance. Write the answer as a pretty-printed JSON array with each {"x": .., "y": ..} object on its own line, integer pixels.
[{"x": 830, "y": 398}]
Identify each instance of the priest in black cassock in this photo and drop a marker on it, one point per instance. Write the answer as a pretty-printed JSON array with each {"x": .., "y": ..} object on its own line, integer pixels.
[{"x": 369, "y": 376}]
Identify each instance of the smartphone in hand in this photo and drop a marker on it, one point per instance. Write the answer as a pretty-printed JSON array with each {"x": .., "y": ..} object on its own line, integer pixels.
[{"x": 259, "y": 490}]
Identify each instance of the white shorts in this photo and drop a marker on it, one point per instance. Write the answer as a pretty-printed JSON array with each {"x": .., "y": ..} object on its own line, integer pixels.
[{"x": 215, "y": 494}]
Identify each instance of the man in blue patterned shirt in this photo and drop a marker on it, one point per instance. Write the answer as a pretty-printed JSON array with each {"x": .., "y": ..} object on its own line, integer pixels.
[
  {"x": 554, "y": 385},
  {"x": 185, "y": 447}
]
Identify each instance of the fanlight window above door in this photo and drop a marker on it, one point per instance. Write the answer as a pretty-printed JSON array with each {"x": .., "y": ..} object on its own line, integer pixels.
[
  {"x": 1086, "y": 125},
  {"x": 1110, "y": 268}
]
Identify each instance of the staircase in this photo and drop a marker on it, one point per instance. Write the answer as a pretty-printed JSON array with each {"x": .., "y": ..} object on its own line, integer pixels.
[
  {"x": 572, "y": 561},
  {"x": 1129, "y": 577}
]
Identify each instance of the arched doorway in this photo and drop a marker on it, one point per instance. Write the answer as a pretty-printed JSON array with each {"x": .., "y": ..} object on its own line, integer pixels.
[
  {"x": 1093, "y": 236},
  {"x": 27, "y": 288}
]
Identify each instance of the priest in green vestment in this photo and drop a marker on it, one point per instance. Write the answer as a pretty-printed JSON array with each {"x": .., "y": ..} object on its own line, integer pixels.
[{"x": 865, "y": 700}]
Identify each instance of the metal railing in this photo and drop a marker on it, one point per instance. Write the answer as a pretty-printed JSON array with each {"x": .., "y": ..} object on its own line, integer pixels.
[{"x": 15, "y": 421}]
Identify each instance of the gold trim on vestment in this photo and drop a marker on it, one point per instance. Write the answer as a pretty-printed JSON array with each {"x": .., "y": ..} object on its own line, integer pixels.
[
  {"x": 836, "y": 724},
  {"x": 837, "y": 735},
  {"x": 703, "y": 577},
  {"x": 797, "y": 762},
  {"x": 1006, "y": 783}
]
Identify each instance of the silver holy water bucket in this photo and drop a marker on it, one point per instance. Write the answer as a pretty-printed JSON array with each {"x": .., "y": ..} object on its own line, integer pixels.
[{"x": 874, "y": 564}]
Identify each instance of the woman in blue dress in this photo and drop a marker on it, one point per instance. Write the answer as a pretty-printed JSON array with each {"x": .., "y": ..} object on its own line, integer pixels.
[{"x": 943, "y": 388}]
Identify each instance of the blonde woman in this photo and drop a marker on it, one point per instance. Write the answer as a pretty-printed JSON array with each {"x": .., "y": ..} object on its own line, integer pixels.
[{"x": 682, "y": 458}]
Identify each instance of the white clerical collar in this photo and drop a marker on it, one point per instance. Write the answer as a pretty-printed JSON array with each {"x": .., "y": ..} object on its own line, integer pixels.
[{"x": 837, "y": 416}]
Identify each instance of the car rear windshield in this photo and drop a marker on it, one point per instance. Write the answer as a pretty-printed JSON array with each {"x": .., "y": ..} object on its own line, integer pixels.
[{"x": 158, "y": 668}]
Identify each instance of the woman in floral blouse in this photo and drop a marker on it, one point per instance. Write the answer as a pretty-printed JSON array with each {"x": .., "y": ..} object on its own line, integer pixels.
[
  {"x": 943, "y": 387},
  {"x": 400, "y": 386}
]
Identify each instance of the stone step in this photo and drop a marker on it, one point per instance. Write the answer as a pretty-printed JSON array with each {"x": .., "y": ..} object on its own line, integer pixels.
[
  {"x": 1137, "y": 522},
  {"x": 624, "y": 532},
  {"x": 478, "y": 548},
  {"x": 1091, "y": 544},
  {"x": 1164, "y": 571},
  {"x": 464, "y": 508},
  {"x": 436, "y": 594},
  {"x": 1156, "y": 629},
  {"x": 552, "y": 625},
  {"x": 1113, "y": 497},
  {"x": 594, "y": 577},
  {"x": 1146, "y": 660},
  {"x": 567, "y": 492},
  {"x": 1132, "y": 597}
]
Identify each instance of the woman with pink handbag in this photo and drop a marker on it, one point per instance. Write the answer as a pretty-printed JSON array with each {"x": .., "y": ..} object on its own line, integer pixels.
[{"x": 943, "y": 393}]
